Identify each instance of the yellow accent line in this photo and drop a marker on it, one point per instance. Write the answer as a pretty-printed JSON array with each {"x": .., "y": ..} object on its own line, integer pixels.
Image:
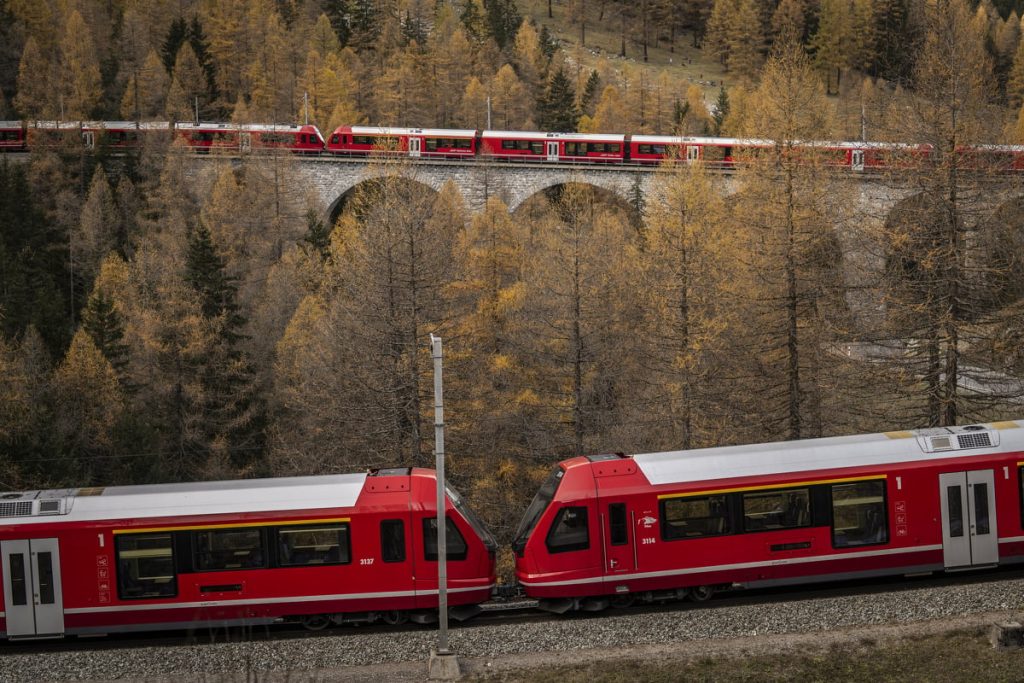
[
  {"x": 1020, "y": 464},
  {"x": 230, "y": 526},
  {"x": 1006, "y": 424},
  {"x": 900, "y": 435},
  {"x": 771, "y": 486}
]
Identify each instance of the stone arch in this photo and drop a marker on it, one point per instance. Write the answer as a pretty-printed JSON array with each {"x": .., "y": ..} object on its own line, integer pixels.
[{"x": 347, "y": 191}]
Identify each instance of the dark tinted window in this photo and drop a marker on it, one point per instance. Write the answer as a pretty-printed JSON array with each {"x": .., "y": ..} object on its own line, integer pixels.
[
  {"x": 537, "y": 506},
  {"x": 859, "y": 514},
  {"x": 693, "y": 517},
  {"x": 955, "y": 507},
  {"x": 981, "y": 524},
  {"x": 455, "y": 544},
  {"x": 220, "y": 549},
  {"x": 315, "y": 544},
  {"x": 569, "y": 531},
  {"x": 18, "y": 582},
  {"x": 44, "y": 567},
  {"x": 392, "y": 540},
  {"x": 766, "y": 510},
  {"x": 145, "y": 566},
  {"x": 617, "y": 526}
]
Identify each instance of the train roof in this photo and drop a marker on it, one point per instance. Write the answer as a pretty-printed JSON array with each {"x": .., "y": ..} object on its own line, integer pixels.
[
  {"x": 789, "y": 457},
  {"x": 379, "y": 130},
  {"x": 528, "y": 135},
  {"x": 179, "y": 500}
]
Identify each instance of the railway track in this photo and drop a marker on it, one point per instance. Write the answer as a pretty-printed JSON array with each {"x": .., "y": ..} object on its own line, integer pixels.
[{"x": 514, "y": 612}]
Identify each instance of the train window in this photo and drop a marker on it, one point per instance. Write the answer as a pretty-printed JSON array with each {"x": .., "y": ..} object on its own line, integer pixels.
[
  {"x": 455, "y": 544},
  {"x": 44, "y": 575},
  {"x": 464, "y": 143},
  {"x": 570, "y": 149},
  {"x": 220, "y": 549},
  {"x": 334, "y": 139},
  {"x": 657, "y": 149},
  {"x": 694, "y": 517},
  {"x": 617, "y": 527},
  {"x": 508, "y": 144},
  {"x": 362, "y": 140},
  {"x": 145, "y": 566},
  {"x": 1020, "y": 475},
  {"x": 18, "y": 583},
  {"x": 644, "y": 149},
  {"x": 767, "y": 510},
  {"x": 537, "y": 147},
  {"x": 981, "y": 509},
  {"x": 537, "y": 506},
  {"x": 858, "y": 514},
  {"x": 308, "y": 545},
  {"x": 614, "y": 148},
  {"x": 956, "y": 511},
  {"x": 482, "y": 532},
  {"x": 431, "y": 144},
  {"x": 569, "y": 531},
  {"x": 392, "y": 540},
  {"x": 713, "y": 153}
]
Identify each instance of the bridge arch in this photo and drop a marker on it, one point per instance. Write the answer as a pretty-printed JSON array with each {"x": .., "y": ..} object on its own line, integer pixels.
[{"x": 342, "y": 192}]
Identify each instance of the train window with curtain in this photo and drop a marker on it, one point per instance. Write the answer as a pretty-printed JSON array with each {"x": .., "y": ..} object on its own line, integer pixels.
[
  {"x": 694, "y": 517},
  {"x": 859, "y": 514},
  {"x": 455, "y": 544},
  {"x": 145, "y": 566},
  {"x": 770, "y": 510},
  {"x": 228, "y": 549},
  {"x": 303, "y": 546},
  {"x": 392, "y": 540},
  {"x": 569, "y": 531}
]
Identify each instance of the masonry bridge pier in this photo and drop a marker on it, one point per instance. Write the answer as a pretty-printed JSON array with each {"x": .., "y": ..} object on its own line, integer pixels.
[{"x": 862, "y": 203}]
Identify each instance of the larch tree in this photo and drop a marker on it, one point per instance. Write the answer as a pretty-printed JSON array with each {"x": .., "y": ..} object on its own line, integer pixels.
[
  {"x": 1015, "y": 80},
  {"x": 88, "y": 404},
  {"x": 80, "y": 85},
  {"x": 510, "y": 104},
  {"x": 685, "y": 320},
  {"x": 610, "y": 116},
  {"x": 940, "y": 275},
  {"x": 473, "y": 108},
  {"x": 99, "y": 230},
  {"x": 28, "y": 443},
  {"x": 786, "y": 212},
  {"x": 188, "y": 86},
  {"x": 146, "y": 91},
  {"x": 35, "y": 98},
  {"x": 841, "y": 41},
  {"x": 577, "y": 324}
]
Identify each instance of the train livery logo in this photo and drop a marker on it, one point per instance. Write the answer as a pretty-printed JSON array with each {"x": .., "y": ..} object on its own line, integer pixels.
[{"x": 647, "y": 521}]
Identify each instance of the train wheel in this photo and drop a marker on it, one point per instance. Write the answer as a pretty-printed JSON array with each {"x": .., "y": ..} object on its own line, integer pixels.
[
  {"x": 315, "y": 622},
  {"x": 394, "y": 617},
  {"x": 622, "y": 601},
  {"x": 701, "y": 593}
]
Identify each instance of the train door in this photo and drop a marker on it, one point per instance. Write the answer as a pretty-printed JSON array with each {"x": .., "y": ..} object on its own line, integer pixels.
[
  {"x": 32, "y": 592},
  {"x": 89, "y": 138},
  {"x": 692, "y": 153},
  {"x": 618, "y": 538},
  {"x": 246, "y": 140},
  {"x": 415, "y": 146},
  {"x": 553, "y": 151},
  {"x": 857, "y": 160},
  {"x": 969, "y": 535}
]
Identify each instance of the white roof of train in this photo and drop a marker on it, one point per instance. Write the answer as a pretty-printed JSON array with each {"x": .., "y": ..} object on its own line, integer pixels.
[
  {"x": 528, "y": 135},
  {"x": 175, "y": 500},
  {"x": 435, "y": 132},
  {"x": 788, "y": 457}
]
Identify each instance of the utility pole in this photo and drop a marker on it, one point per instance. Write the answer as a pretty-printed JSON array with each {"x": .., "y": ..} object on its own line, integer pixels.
[{"x": 443, "y": 663}]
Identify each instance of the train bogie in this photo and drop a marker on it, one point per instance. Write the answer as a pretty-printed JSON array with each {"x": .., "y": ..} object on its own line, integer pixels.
[
  {"x": 312, "y": 549},
  {"x": 773, "y": 514}
]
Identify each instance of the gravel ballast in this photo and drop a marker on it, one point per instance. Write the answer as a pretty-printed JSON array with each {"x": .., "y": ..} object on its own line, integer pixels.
[{"x": 348, "y": 647}]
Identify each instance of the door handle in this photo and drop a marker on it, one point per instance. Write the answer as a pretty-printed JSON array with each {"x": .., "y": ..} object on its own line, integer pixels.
[{"x": 613, "y": 563}]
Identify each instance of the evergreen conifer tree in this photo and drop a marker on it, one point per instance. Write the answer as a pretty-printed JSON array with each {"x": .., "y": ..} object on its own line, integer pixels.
[
  {"x": 103, "y": 323},
  {"x": 557, "y": 107}
]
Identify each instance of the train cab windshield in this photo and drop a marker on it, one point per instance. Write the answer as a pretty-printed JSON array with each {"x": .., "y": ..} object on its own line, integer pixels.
[
  {"x": 467, "y": 513},
  {"x": 540, "y": 503}
]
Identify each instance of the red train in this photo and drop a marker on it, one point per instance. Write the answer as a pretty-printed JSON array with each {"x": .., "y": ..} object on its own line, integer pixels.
[
  {"x": 316, "y": 550},
  {"x": 611, "y": 529},
  {"x": 488, "y": 145}
]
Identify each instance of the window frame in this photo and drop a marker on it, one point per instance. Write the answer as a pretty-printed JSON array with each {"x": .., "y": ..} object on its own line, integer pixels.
[
  {"x": 618, "y": 529},
  {"x": 400, "y": 523},
  {"x": 119, "y": 539},
  {"x": 775, "y": 491},
  {"x": 450, "y": 526},
  {"x": 194, "y": 544},
  {"x": 728, "y": 528},
  {"x": 887, "y": 537},
  {"x": 572, "y": 547},
  {"x": 344, "y": 558}
]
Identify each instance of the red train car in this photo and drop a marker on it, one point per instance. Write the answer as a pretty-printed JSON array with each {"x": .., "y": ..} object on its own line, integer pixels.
[
  {"x": 412, "y": 142},
  {"x": 229, "y": 137},
  {"x": 570, "y": 147},
  {"x": 614, "y": 528},
  {"x": 13, "y": 137},
  {"x": 316, "y": 550}
]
